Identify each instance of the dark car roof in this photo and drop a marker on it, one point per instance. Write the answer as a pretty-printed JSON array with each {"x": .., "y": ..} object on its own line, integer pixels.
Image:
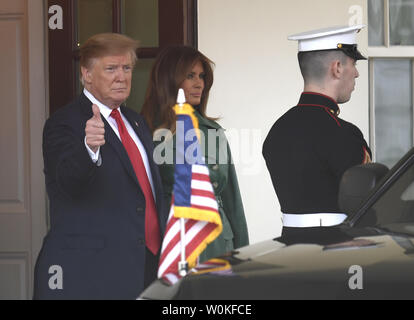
[
  {"x": 274, "y": 270},
  {"x": 311, "y": 270}
]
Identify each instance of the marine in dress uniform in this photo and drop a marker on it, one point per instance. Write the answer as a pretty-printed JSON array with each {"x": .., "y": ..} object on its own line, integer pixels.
[{"x": 309, "y": 148}]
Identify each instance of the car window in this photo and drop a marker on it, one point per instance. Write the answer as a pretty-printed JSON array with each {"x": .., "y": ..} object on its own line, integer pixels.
[
  {"x": 395, "y": 206},
  {"x": 408, "y": 194}
]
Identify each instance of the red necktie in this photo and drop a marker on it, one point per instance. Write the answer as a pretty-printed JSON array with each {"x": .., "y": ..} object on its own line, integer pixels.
[{"x": 152, "y": 231}]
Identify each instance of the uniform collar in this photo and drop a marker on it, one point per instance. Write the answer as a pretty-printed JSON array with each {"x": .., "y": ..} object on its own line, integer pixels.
[{"x": 320, "y": 100}]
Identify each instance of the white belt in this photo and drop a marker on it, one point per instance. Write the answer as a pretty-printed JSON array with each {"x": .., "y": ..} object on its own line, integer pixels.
[{"x": 313, "y": 219}]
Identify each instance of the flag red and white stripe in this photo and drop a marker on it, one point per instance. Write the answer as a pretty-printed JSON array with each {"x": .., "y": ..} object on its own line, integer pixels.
[{"x": 200, "y": 225}]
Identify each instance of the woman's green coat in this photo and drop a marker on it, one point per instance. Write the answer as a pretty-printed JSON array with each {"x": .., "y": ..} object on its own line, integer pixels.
[{"x": 226, "y": 188}]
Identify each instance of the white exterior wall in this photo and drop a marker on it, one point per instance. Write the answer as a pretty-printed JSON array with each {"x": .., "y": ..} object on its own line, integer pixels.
[{"x": 257, "y": 79}]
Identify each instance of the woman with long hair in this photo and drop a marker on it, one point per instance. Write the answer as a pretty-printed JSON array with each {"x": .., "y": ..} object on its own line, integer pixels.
[{"x": 187, "y": 68}]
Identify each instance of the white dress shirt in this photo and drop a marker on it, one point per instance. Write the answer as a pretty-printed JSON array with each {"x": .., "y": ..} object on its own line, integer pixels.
[{"x": 106, "y": 112}]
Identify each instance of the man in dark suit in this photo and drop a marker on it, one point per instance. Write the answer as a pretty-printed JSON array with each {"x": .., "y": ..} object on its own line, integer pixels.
[
  {"x": 106, "y": 212},
  {"x": 309, "y": 148}
]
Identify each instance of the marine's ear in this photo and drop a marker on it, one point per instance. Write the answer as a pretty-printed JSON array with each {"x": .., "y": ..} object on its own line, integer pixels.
[{"x": 336, "y": 68}]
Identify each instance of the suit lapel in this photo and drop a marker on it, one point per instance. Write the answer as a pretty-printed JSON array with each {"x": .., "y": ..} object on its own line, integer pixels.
[
  {"x": 136, "y": 124},
  {"x": 85, "y": 106},
  {"x": 112, "y": 139}
]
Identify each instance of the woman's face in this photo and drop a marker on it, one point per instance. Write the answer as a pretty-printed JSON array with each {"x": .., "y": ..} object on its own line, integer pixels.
[{"x": 193, "y": 85}]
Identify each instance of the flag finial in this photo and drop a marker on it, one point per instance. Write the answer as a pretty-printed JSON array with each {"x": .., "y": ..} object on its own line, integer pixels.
[{"x": 180, "y": 97}]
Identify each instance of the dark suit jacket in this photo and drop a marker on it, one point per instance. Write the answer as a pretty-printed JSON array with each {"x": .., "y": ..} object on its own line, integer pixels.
[{"x": 97, "y": 212}]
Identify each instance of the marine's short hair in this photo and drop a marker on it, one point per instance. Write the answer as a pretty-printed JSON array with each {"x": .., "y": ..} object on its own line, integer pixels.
[
  {"x": 314, "y": 65},
  {"x": 106, "y": 44}
]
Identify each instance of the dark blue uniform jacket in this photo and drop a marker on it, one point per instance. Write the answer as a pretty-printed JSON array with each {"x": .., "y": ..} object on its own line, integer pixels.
[{"x": 307, "y": 151}]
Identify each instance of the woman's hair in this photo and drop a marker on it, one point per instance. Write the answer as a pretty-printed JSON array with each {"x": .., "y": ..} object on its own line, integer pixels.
[{"x": 169, "y": 71}]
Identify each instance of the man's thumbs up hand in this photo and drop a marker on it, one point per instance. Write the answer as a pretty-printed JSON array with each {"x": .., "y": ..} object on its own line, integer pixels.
[
  {"x": 96, "y": 112},
  {"x": 95, "y": 130}
]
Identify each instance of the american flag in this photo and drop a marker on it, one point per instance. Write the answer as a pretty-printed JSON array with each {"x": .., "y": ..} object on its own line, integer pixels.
[{"x": 193, "y": 200}]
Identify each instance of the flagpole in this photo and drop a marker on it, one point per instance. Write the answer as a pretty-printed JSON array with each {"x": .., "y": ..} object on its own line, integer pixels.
[{"x": 182, "y": 264}]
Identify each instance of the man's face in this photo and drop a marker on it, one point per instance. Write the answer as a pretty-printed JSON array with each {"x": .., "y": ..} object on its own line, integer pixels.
[
  {"x": 350, "y": 73},
  {"x": 109, "y": 79}
]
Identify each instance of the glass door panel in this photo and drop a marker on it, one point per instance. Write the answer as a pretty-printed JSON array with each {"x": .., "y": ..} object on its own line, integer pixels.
[
  {"x": 140, "y": 79},
  {"x": 375, "y": 23},
  {"x": 94, "y": 16},
  {"x": 393, "y": 109},
  {"x": 139, "y": 20},
  {"x": 402, "y": 22}
]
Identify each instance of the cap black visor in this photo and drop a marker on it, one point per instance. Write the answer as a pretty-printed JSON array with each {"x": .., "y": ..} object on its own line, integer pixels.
[{"x": 351, "y": 50}]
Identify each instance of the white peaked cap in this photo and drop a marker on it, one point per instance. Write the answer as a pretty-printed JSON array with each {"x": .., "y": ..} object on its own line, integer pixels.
[{"x": 326, "y": 39}]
